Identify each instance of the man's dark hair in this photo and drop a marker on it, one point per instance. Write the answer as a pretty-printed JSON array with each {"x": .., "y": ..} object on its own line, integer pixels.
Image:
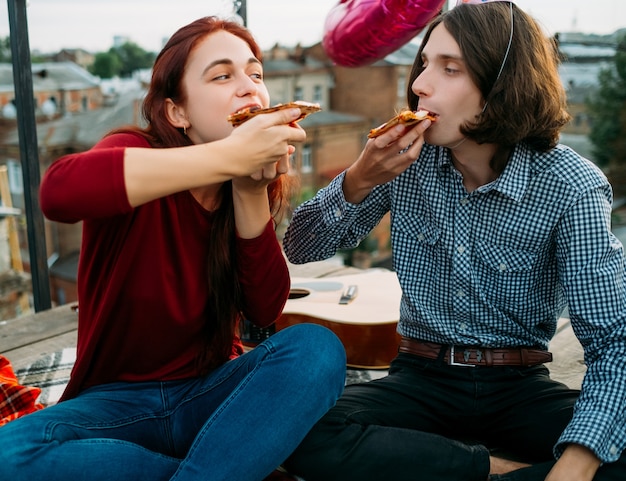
[{"x": 527, "y": 102}]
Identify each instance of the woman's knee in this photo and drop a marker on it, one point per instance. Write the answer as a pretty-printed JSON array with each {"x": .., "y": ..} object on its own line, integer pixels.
[
  {"x": 318, "y": 351},
  {"x": 19, "y": 440},
  {"x": 312, "y": 361}
]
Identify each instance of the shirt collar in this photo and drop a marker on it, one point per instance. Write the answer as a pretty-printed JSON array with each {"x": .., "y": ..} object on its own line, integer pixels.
[{"x": 513, "y": 182}]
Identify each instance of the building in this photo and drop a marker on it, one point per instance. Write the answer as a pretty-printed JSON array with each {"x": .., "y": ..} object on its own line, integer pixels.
[
  {"x": 59, "y": 89},
  {"x": 334, "y": 138},
  {"x": 77, "y": 127},
  {"x": 79, "y": 56},
  {"x": 353, "y": 100},
  {"x": 579, "y": 71},
  {"x": 377, "y": 91}
]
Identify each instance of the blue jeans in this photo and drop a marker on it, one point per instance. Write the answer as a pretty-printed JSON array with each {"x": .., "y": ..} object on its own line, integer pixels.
[{"x": 239, "y": 422}]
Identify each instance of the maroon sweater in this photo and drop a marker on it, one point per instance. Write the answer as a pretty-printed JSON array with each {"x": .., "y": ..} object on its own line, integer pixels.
[{"x": 142, "y": 282}]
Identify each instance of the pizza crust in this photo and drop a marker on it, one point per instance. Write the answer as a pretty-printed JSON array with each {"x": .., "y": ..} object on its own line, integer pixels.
[
  {"x": 306, "y": 108},
  {"x": 405, "y": 117}
]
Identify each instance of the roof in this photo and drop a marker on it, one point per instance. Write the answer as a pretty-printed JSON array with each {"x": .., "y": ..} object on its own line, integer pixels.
[
  {"x": 581, "y": 74},
  {"x": 330, "y": 117},
  {"x": 85, "y": 129},
  {"x": 405, "y": 55},
  {"x": 66, "y": 267},
  {"x": 582, "y": 51},
  {"x": 51, "y": 76},
  {"x": 278, "y": 66}
]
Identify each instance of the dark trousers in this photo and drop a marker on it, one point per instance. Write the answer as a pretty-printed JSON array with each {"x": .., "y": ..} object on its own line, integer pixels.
[{"x": 427, "y": 421}]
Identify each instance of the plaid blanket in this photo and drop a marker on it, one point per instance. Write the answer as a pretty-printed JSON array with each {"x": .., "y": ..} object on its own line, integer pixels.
[
  {"x": 50, "y": 373},
  {"x": 48, "y": 376},
  {"x": 15, "y": 399}
]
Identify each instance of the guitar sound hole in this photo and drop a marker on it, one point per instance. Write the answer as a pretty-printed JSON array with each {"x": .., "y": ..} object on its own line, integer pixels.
[{"x": 296, "y": 293}]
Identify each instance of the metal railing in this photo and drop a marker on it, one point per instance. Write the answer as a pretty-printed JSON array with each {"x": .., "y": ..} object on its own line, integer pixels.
[{"x": 29, "y": 155}]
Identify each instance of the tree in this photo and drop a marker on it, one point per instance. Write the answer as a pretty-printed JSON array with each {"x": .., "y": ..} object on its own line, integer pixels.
[
  {"x": 607, "y": 107},
  {"x": 122, "y": 61},
  {"x": 106, "y": 65},
  {"x": 132, "y": 58},
  {"x": 5, "y": 49}
]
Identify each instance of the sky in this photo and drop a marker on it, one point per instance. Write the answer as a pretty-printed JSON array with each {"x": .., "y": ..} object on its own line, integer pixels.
[{"x": 92, "y": 24}]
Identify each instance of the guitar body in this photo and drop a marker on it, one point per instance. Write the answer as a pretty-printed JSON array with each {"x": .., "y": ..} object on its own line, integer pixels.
[
  {"x": 366, "y": 325},
  {"x": 367, "y": 347}
]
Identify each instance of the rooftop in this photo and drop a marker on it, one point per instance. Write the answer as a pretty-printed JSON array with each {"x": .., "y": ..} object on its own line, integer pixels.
[{"x": 50, "y": 76}]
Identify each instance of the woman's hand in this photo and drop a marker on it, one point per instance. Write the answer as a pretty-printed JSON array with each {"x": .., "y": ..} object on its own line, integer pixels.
[
  {"x": 260, "y": 147},
  {"x": 383, "y": 159},
  {"x": 259, "y": 180},
  {"x": 272, "y": 171},
  {"x": 264, "y": 143}
]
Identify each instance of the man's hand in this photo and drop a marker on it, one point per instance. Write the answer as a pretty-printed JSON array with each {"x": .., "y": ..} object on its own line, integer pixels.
[
  {"x": 383, "y": 159},
  {"x": 577, "y": 463}
]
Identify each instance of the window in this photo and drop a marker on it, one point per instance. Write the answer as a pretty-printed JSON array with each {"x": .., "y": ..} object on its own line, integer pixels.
[
  {"x": 298, "y": 93},
  {"x": 307, "y": 159},
  {"x": 317, "y": 94},
  {"x": 16, "y": 182},
  {"x": 401, "y": 93}
]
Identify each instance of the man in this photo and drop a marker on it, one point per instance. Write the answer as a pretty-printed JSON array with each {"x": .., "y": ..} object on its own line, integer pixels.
[{"x": 495, "y": 229}]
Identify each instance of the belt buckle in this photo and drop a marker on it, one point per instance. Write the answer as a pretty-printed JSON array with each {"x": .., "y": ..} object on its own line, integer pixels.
[{"x": 452, "y": 360}]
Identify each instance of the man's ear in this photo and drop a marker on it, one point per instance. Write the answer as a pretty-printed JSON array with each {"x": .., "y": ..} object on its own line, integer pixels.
[{"x": 176, "y": 115}]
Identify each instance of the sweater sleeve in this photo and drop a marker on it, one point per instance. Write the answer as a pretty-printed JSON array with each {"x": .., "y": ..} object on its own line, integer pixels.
[
  {"x": 90, "y": 184},
  {"x": 264, "y": 277}
]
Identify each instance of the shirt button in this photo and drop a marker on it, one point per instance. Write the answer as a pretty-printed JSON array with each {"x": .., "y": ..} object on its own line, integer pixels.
[
  {"x": 460, "y": 293},
  {"x": 464, "y": 201},
  {"x": 338, "y": 214},
  {"x": 460, "y": 249},
  {"x": 421, "y": 237},
  {"x": 502, "y": 267},
  {"x": 613, "y": 450},
  {"x": 463, "y": 327}
]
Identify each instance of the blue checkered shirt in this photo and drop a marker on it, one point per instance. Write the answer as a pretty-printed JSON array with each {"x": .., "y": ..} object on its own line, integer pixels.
[{"x": 496, "y": 267}]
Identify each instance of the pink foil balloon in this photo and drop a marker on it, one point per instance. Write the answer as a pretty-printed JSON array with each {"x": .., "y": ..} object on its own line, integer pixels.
[{"x": 359, "y": 32}]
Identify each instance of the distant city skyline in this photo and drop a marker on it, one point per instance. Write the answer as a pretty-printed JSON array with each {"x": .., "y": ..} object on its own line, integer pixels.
[{"x": 92, "y": 25}]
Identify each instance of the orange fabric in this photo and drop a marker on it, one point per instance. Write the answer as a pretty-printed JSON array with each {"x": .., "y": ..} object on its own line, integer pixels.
[{"x": 15, "y": 400}]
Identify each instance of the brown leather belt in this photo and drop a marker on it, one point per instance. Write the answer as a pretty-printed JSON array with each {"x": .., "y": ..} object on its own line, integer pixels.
[{"x": 475, "y": 356}]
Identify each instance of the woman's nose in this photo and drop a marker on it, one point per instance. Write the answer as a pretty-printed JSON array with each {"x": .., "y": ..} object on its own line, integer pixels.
[{"x": 247, "y": 86}]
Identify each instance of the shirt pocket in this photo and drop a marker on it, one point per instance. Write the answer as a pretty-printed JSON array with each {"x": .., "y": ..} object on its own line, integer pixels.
[
  {"x": 418, "y": 252},
  {"x": 505, "y": 274},
  {"x": 417, "y": 230}
]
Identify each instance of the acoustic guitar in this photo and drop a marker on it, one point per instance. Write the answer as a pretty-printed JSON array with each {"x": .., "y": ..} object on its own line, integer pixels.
[{"x": 361, "y": 309}]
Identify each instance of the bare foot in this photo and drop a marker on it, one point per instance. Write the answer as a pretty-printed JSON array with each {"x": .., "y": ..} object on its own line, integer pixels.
[{"x": 503, "y": 466}]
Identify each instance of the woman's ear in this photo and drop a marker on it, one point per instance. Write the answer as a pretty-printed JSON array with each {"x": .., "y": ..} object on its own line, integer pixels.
[{"x": 176, "y": 115}]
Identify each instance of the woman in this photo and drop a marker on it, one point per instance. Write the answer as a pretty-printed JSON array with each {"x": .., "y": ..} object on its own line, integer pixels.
[
  {"x": 178, "y": 247},
  {"x": 495, "y": 228}
]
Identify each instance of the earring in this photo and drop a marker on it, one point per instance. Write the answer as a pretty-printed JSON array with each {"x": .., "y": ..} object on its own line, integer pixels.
[{"x": 185, "y": 130}]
